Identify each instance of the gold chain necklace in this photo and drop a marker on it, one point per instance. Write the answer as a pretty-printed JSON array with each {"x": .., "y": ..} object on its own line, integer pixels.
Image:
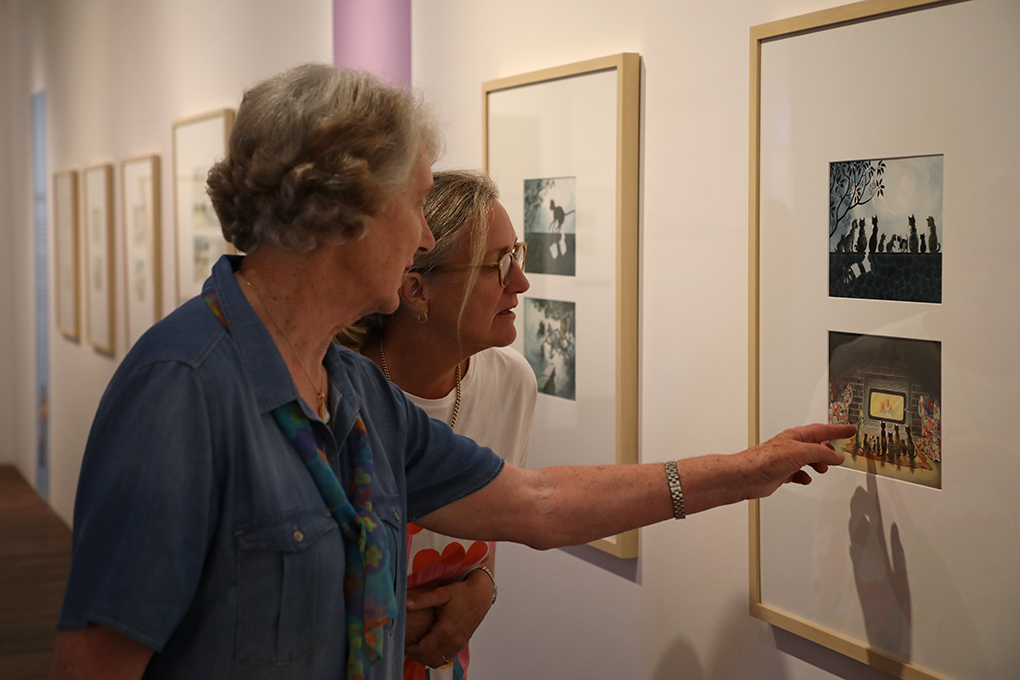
[
  {"x": 319, "y": 394},
  {"x": 456, "y": 401}
]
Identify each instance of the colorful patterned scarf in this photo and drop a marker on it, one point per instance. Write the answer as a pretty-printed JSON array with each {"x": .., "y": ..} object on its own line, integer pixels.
[{"x": 369, "y": 597}]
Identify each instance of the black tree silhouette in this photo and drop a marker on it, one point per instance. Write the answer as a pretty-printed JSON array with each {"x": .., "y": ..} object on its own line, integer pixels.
[{"x": 852, "y": 183}]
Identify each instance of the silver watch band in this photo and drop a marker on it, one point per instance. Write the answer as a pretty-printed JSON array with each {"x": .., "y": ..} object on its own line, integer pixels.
[{"x": 675, "y": 492}]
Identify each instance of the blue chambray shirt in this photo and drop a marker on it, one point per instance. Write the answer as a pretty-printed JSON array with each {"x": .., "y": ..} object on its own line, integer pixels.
[{"x": 199, "y": 532}]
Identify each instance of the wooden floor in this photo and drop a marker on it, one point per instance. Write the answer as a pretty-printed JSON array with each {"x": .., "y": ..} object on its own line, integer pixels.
[{"x": 35, "y": 556}]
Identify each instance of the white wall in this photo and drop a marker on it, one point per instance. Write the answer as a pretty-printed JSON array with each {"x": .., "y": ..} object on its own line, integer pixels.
[
  {"x": 682, "y": 610},
  {"x": 7, "y": 219},
  {"x": 117, "y": 74}
]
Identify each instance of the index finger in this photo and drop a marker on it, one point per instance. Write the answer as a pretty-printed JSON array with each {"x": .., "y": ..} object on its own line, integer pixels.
[{"x": 817, "y": 433}]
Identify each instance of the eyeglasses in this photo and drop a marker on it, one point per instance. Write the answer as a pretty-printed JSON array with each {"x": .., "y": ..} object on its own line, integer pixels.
[{"x": 502, "y": 265}]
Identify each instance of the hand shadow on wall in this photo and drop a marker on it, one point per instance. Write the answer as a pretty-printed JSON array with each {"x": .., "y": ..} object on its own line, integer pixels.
[{"x": 880, "y": 573}]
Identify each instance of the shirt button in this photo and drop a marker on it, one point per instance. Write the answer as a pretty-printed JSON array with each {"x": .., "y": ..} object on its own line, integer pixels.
[{"x": 298, "y": 535}]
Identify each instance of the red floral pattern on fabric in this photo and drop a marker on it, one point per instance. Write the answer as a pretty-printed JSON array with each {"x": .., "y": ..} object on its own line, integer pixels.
[{"x": 431, "y": 567}]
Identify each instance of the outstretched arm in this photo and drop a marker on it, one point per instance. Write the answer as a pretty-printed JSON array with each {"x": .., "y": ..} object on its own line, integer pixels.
[{"x": 572, "y": 505}]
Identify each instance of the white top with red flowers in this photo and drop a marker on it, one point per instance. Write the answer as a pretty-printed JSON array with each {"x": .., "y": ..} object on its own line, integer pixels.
[{"x": 497, "y": 410}]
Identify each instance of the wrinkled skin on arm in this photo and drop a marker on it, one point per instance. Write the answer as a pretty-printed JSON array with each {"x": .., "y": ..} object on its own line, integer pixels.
[{"x": 572, "y": 505}]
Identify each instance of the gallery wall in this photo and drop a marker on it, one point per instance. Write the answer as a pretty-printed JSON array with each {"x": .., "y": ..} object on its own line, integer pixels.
[
  {"x": 682, "y": 610},
  {"x": 117, "y": 75}
]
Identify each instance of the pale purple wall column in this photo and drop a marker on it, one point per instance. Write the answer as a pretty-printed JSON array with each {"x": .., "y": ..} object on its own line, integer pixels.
[{"x": 375, "y": 36}]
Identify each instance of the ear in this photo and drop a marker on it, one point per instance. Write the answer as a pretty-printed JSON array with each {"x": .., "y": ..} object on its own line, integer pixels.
[{"x": 414, "y": 292}]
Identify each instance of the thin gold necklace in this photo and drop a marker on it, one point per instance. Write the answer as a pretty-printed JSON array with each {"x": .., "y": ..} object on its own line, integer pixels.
[
  {"x": 456, "y": 401},
  {"x": 319, "y": 394}
]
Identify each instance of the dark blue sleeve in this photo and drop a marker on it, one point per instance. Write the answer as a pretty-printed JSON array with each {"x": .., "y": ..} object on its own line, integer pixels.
[
  {"x": 146, "y": 507},
  {"x": 442, "y": 466}
]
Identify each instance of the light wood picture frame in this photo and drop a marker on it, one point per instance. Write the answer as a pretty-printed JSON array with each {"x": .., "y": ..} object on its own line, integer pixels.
[
  {"x": 563, "y": 146},
  {"x": 97, "y": 207},
  {"x": 915, "y": 580},
  {"x": 66, "y": 254},
  {"x": 143, "y": 270},
  {"x": 198, "y": 143}
]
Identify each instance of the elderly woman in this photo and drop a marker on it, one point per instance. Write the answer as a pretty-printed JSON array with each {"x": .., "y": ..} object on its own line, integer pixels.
[
  {"x": 243, "y": 498},
  {"x": 445, "y": 347}
]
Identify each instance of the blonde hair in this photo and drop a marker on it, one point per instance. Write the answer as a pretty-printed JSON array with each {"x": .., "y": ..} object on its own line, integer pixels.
[{"x": 457, "y": 207}]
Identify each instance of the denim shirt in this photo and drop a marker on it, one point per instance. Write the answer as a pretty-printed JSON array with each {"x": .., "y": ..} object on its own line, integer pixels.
[{"x": 199, "y": 532}]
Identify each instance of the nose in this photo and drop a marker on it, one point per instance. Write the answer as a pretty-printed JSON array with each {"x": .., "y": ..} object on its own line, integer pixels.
[
  {"x": 518, "y": 282},
  {"x": 427, "y": 241}
]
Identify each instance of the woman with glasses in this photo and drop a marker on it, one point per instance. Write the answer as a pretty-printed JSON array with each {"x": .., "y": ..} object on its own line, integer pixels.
[{"x": 446, "y": 348}]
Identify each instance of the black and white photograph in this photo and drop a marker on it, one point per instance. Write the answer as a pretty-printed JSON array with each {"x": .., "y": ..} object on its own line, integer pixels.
[
  {"x": 550, "y": 345},
  {"x": 891, "y": 389},
  {"x": 885, "y": 229},
  {"x": 550, "y": 225}
]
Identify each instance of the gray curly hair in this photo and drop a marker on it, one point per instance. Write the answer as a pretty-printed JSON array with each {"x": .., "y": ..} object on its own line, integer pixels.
[{"x": 314, "y": 152}]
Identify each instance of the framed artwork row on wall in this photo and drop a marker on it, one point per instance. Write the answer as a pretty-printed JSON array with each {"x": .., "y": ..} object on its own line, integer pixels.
[{"x": 84, "y": 226}]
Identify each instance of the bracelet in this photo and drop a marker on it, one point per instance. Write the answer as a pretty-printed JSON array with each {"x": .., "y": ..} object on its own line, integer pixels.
[
  {"x": 675, "y": 492},
  {"x": 488, "y": 572}
]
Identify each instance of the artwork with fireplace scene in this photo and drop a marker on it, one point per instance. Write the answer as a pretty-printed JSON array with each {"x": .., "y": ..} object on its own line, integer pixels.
[{"x": 891, "y": 389}]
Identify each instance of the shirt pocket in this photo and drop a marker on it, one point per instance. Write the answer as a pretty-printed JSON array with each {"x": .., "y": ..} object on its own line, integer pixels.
[
  {"x": 289, "y": 588},
  {"x": 390, "y": 512}
]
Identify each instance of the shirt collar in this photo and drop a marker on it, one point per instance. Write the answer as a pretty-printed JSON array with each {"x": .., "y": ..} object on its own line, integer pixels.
[{"x": 261, "y": 360}]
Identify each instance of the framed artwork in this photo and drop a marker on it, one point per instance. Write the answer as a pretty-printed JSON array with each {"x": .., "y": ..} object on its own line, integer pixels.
[
  {"x": 562, "y": 144},
  {"x": 882, "y": 281},
  {"x": 98, "y": 209},
  {"x": 143, "y": 290},
  {"x": 199, "y": 142},
  {"x": 65, "y": 237}
]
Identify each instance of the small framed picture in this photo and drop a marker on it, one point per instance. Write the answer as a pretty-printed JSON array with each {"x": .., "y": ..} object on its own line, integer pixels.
[
  {"x": 99, "y": 277},
  {"x": 562, "y": 145},
  {"x": 199, "y": 142},
  {"x": 143, "y": 292},
  {"x": 65, "y": 235}
]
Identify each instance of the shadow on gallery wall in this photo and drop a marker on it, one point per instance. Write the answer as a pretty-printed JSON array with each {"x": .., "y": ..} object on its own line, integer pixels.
[
  {"x": 754, "y": 657},
  {"x": 880, "y": 573},
  {"x": 679, "y": 661},
  {"x": 624, "y": 568},
  {"x": 831, "y": 662}
]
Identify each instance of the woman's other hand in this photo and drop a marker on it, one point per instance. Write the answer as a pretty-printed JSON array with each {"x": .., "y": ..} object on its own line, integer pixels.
[
  {"x": 419, "y": 619},
  {"x": 457, "y": 610}
]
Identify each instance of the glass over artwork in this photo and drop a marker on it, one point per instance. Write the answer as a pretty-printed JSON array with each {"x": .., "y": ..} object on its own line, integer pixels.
[
  {"x": 885, "y": 229},
  {"x": 550, "y": 225},
  {"x": 891, "y": 389},
  {"x": 550, "y": 345}
]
